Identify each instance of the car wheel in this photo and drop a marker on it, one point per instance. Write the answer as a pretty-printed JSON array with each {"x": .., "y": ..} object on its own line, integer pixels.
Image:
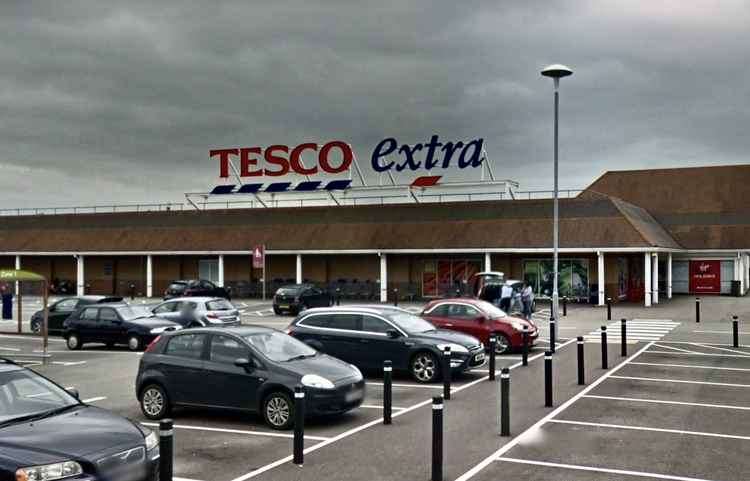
[
  {"x": 277, "y": 311},
  {"x": 424, "y": 367},
  {"x": 278, "y": 411},
  {"x": 73, "y": 341},
  {"x": 36, "y": 327},
  {"x": 503, "y": 343},
  {"x": 154, "y": 402},
  {"x": 134, "y": 342}
]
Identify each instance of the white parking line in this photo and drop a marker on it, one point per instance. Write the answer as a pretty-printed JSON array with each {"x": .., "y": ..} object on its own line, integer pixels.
[
  {"x": 720, "y": 348},
  {"x": 599, "y": 470},
  {"x": 531, "y": 430},
  {"x": 175, "y": 478},
  {"x": 94, "y": 399},
  {"x": 680, "y": 381},
  {"x": 374, "y": 406},
  {"x": 672, "y": 348},
  {"x": 9, "y": 349},
  {"x": 719, "y": 332},
  {"x": 709, "y": 354},
  {"x": 645, "y": 428},
  {"x": 239, "y": 431},
  {"x": 423, "y": 386},
  {"x": 30, "y": 338},
  {"x": 659, "y": 401},
  {"x": 690, "y": 366}
]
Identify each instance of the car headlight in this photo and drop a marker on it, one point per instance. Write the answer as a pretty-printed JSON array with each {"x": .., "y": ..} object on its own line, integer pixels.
[
  {"x": 152, "y": 441},
  {"x": 517, "y": 325},
  {"x": 318, "y": 382},
  {"x": 48, "y": 472},
  {"x": 356, "y": 370},
  {"x": 454, "y": 348}
]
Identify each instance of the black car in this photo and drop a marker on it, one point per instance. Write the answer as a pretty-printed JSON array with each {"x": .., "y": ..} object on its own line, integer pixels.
[
  {"x": 195, "y": 288},
  {"x": 368, "y": 335},
  {"x": 295, "y": 298},
  {"x": 248, "y": 368},
  {"x": 114, "y": 324},
  {"x": 46, "y": 429},
  {"x": 60, "y": 310}
]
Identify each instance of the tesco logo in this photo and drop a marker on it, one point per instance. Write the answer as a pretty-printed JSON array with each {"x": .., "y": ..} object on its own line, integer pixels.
[{"x": 279, "y": 160}]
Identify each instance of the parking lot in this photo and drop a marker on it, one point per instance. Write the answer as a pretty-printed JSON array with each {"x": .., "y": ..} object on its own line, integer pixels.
[{"x": 674, "y": 409}]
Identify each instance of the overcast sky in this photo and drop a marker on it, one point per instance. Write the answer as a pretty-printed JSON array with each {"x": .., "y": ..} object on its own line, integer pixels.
[{"x": 107, "y": 102}]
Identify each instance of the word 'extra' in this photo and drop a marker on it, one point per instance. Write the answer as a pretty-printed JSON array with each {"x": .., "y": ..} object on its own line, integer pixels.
[{"x": 470, "y": 155}]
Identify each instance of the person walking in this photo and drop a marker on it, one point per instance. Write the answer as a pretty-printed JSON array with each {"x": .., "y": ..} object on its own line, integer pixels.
[
  {"x": 506, "y": 294},
  {"x": 527, "y": 298}
]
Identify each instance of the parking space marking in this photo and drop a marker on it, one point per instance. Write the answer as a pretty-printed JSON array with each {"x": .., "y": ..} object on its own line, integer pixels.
[
  {"x": 423, "y": 386},
  {"x": 659, "y": 401},
  {"x": 637, "y": 330},
  {"x": 720, "y": 348},
  {"x": 175, "y": 478},
  {"x": 646, "y": 428},
  {"x": 709, "y": 354},
  {"x": 22, "y": 337},
  {"x": 719, "y": 332},
  {"x": 94, "y": 399},
  {"x": 690, "y": 366},
  {"x": 578, "y": 467},
  {"x": 533, "y": 428},
  {"x": 373, "y": 406},
  {"x": 681, "y": 381},
  {"x": 237, "y": 431},
  {"x": 14, "y": 349},
  {"x": 672, "y": 348}
]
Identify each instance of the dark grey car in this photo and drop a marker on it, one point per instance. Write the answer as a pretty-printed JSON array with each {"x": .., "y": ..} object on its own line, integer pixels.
[{"x": 199, "y": 312}]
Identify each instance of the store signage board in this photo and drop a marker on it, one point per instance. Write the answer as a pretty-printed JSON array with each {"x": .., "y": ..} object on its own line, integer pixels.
[
  {"x": 705, "y": 277},
  {"x": 259, "y": 256}
]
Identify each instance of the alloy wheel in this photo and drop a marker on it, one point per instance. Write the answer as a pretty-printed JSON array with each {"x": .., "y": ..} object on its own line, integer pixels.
[
  {"x": 134, "y": 343},
  {"x": 502, "y": 345},
  {"x": 278, "y": 411},
  {"x": 152, "y": 402},
  {"x": 424, "y": 367},
  {"x": 36, "y": 327}
]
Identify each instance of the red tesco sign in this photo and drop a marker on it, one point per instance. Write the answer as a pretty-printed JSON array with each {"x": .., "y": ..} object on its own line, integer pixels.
[
  {"x": 705, "y": 277},
  {"x": 279, "y": 160}
]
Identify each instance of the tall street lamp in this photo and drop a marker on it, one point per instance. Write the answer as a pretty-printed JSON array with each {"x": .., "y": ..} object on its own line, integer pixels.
[{"x": 557, "y": 72}]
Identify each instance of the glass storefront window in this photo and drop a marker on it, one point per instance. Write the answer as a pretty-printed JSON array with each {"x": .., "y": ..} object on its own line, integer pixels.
[{"x": 573, "y": 280}]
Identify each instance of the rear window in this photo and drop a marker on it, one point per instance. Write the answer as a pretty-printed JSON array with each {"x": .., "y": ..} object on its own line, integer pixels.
[
  {"x": 186, "y": 345},
  {"x": 177, "y": 286},
  {"x": 219, "y": 305},
  {"x": 288, "y": 291}
]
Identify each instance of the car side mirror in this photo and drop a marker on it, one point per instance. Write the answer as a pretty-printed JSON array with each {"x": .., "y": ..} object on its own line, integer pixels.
[
  {"x": 74, "y": 392},
  {"x": 392, "y": 334},
  {"x": 482, "y": 319},
  {"x": 244, "y": 363}
]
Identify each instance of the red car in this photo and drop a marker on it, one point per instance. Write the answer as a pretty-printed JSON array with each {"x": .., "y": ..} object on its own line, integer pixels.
[{"x": 480, "y": 319}]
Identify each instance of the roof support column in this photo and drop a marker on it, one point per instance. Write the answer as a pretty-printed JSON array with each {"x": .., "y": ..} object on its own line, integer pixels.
[
  {"x": 18, "y": 267},
  {"x": 647, "y": 279},
  {"x": 80, "y": 281},
  {"x": 487, "y": 262},
  {"x": 600, "y": 276},
  {"x": 669, "y": 275},
  {"x": 299, "y": 268},
  {"x": 655, "y": 277},
  {"x": 220, "y": 280},
  {"x": 149, "y": 276},
  {"x": 383, "y": 278}
]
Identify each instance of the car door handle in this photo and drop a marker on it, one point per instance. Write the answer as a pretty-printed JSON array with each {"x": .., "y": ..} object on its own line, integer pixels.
[{"x": 448, "y": 325}]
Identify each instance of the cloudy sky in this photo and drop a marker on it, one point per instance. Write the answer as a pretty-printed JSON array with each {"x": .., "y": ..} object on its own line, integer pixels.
[{"x": 107, "y": 102}]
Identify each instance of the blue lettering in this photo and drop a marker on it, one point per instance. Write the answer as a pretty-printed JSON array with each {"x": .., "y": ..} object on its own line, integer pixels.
[
  {"x": 449, "y": 148},
  {"x": 378, "y": 153},
  {"x": 429, "y": 162},
  {"x": 476, "y": 154},
  {"x": 409, "y": 157}
]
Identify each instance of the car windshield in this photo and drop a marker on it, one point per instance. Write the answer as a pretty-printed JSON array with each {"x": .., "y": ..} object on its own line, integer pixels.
[
  {"x": 25, "y": 394},
  {"x": 279, "y": 347},
  {"x": 411, "y": 323},
  {"x": 129, "y": 313},
  {"x": 177, "y": 286},
  {"x": 491, "y": 310},
  {"x": 288, "y": 291},
  {"x": 219, "y": 305}
]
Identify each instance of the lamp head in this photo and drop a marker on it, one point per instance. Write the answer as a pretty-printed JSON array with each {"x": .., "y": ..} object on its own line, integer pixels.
[{"x": 556, "y": 71}]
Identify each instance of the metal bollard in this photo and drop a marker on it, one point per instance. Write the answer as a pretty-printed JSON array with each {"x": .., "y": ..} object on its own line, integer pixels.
[
  {"x": 581, "y": 370},
  {"x": 548, "y": 379},
  {"x": 387, "y": 391},
  {"x": 458, "y": 292},
  {"x": 623, "y": 338},
  {"x": 338, "y": 296},
  {"x": 525, "y": 346},
  {"x": 437, "y": 438},
  {"x": 493, "y": 345},
  {"x": 609, "y": 308},
  {"x": 604, "y": 347},
  {"x": 552, "y": 334},
  {"x": 505, "y": 402},
  {"x": 166, "y": 449},
  {"x": 447, "y": 373},
  {"x": 697, "y": 309},
  {"x": 735, "y": 332},
  {"x": 299, "y": 425},
  {"x": 565, "y": 306},
  {"x": 395, "y": 296}
]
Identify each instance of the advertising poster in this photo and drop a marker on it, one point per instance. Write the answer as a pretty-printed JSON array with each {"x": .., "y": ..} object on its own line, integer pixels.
[{"x": 705, "y": 277}]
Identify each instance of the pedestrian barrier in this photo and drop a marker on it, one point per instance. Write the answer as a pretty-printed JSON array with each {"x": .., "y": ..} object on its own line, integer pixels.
[
  {"x": 493, "y": 345},
  {"x": 604, "y": 348},
  {"x": 623, "y": 338},
  {"x": 548, "y": 379},
  {"x": 299, "y": 426},
  {"x": 525, "y": 346},
  {"x": 338, "y": 296},
  {"x": 609, "y": 308},
  {"x": 387, "y": 391},
  {"x": 697, "y": 309},
  {"x": 447, "y": 373},
  {"x": 552, "y": 333},
  {"x": 565, "y": 306},
  {"x": 166, "y": 449},
  {"x": 735, "y": 332},
  {"x": 437, "y": 438},
  {"x": 505, "y": 402},
  {"x": 581, "y": 370},
  {"x": 395, "y": 296}
]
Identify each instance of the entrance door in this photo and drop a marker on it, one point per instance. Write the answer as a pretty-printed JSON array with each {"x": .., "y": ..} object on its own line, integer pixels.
[{"x": 208, "y": 269}]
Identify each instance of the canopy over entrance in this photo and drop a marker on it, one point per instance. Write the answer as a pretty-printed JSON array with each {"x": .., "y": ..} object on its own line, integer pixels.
[{"x": 18, "y": 275}]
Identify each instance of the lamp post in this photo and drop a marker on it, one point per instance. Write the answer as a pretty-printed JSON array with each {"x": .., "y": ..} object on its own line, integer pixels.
[{"x": 557, "y": 72}]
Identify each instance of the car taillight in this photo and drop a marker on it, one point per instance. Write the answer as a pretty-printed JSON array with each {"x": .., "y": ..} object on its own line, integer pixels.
[
  {"x": 152, "y": 345},
  {"x": 289, "y": 331}
]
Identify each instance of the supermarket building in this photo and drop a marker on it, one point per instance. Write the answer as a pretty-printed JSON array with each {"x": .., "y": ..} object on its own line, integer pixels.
[{"x": 639, "y": 235}]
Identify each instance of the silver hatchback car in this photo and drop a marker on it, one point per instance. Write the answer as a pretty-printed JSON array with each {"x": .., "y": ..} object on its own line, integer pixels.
[{"x": 198, "y": 311}]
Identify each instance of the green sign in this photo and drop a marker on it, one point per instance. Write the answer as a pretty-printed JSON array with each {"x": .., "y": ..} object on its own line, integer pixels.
[{"x": 14, "y": 275}]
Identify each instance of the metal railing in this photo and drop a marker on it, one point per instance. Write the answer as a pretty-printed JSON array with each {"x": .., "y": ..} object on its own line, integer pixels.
[{"x": 92, "y": 209}]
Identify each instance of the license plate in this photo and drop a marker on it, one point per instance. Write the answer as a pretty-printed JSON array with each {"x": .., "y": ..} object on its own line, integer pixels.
[
  {"x": 479, "y": 357},
  {"x": 353, "y": 395},
  {"x": 283, "y": 306}
]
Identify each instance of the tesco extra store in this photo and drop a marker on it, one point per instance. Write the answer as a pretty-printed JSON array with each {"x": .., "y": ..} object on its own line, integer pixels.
[{"x": 639, "y": 236}]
